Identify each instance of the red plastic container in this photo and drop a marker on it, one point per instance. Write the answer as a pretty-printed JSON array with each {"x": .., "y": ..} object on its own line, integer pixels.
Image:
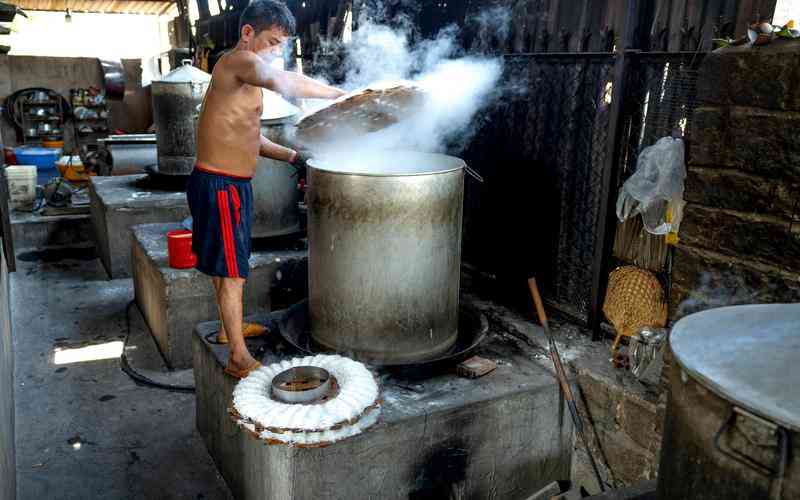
[
  {"x": 179, "y": 249},
  {"x": 8, "y": 156}
]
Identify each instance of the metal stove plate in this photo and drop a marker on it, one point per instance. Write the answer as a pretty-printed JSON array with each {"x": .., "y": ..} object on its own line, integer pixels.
[
  {"x": 157, "y": 179},
  {"x": 746, "y": 354},
  {"x": 473, "y": 329}
]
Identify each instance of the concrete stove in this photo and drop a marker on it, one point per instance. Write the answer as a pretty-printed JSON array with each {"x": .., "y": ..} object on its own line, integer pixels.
[
  {"x": 120, "y": 202},
  {"x": 505, "y": 435},
  {"x": 173, "y": 301}
]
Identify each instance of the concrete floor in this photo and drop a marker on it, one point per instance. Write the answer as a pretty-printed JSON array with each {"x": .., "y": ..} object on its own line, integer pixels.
[{"x": 135, "y": 441}]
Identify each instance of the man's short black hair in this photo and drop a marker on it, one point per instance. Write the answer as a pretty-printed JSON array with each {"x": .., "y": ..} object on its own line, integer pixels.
[{"x": 264, "y": 14}]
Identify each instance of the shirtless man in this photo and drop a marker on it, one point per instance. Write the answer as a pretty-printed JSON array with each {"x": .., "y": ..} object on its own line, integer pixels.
[{"x": 228, "y": 144}]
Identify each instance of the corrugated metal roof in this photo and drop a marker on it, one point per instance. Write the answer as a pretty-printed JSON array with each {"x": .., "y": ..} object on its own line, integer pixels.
[{"x": 154, "y": 7}]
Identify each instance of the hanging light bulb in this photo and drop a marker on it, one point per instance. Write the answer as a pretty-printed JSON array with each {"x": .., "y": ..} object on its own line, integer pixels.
[{"x": 68, "y": 16}]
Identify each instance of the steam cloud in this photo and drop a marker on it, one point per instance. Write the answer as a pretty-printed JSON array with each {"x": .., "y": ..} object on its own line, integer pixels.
[
  {"x": 458, "y": 86},
  {"x": 714, "y": 291}
]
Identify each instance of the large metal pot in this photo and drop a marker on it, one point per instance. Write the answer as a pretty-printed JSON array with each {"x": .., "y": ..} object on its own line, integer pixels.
[
  {"x": 175, "y": 100},
  {"x": 734, "y": 413},
  {"x": 130, "y": 153},
  {"x": 385, "y": 254},
  {"x": 275, "y": 193}
]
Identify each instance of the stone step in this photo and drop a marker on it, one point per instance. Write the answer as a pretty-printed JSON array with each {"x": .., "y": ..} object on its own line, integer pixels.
[
  {"x": 121, "y": 202},
  {"x": 34, "y": 232},
  {"x": 173, "y": 301}
]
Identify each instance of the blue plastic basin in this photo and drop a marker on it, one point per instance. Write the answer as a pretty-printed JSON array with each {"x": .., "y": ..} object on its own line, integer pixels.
[{"x": 44, "y": 159}]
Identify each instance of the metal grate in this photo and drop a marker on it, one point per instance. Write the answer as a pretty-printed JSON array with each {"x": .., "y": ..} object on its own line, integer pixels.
[
  {"x": 548, "y": 142},
  {"x": 543, "y": 151},
  {"x": 660, "y": 100}
]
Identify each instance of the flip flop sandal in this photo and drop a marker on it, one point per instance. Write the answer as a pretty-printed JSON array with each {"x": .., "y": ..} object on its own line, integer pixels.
[
  {"x": 248, "y": 330},
  {"x": 240, "y": 374}
]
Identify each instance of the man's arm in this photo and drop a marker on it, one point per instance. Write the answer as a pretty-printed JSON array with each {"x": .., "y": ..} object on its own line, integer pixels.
[
  {"x": 250, "y": 69},
  {"x": 269, "y": 149}
]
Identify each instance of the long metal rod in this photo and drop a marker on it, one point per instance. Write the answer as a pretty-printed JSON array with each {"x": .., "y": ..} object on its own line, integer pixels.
[{"x": 562, "y": 378}]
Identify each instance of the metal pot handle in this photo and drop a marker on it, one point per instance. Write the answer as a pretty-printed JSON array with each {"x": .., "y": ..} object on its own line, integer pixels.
[
  {"x": 777, "y": 474},
  {"x": 473, "y": 173}
]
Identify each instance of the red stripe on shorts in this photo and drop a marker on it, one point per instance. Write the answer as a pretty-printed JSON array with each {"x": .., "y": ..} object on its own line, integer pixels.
[
  {"x": 227, "y": 234},
  {"x": 237, "y": 204}
]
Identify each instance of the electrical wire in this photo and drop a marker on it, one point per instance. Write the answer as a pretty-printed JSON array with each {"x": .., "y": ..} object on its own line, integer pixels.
[{"x": 136, "y": 376}]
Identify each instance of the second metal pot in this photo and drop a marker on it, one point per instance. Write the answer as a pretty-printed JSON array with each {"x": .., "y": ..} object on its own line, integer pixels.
[{"x": 275, "y": 193}]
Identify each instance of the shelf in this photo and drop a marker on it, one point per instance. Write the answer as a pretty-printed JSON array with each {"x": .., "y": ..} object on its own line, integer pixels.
[
  {"x": 48, "y": 103},
  {"x": 43, "y": 118}
]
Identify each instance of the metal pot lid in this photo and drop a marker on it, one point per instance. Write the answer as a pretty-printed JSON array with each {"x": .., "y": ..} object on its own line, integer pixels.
[
  {"x": 186, "y": 73},
  {"x": 746, "y": 354},
  {"x": 275, "y": 107},
  {"x": 387, "y": 163},
  {"x": 129, "y": 139}
]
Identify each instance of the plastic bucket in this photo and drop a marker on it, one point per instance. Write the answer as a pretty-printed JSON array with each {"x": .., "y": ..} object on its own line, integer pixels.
[
  {"x": 43, "y": 158},
  {"x": 21, "y": 185},
  {"x": 179, "y": 249},
  {"x": 67, "y": 161},
  {"x": 9, "y": 156}
]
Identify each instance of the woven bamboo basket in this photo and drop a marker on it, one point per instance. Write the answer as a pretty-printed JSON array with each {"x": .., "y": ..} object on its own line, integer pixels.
[{"x": 634, "y": 299}]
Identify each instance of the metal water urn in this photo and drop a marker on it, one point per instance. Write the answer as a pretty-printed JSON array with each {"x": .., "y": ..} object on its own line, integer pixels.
[{"x": 175, "y": 101}]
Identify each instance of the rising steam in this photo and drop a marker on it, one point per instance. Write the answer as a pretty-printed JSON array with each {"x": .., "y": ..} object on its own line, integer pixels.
[{"x": 457, "y": 88}]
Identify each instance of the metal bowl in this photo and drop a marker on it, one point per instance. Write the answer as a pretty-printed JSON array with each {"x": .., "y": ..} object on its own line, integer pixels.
[{"x": 301, "y": 384}]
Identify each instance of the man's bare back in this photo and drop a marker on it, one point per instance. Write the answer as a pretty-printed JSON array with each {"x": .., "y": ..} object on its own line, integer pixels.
[{"x": 228, "y": 132}]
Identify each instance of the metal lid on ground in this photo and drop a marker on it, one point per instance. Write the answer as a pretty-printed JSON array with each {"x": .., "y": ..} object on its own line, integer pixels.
[{"x": 746, "y": 354}]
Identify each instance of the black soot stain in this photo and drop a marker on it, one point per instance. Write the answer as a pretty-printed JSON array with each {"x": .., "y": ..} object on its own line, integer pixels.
[{"x": 442, "y": 468}]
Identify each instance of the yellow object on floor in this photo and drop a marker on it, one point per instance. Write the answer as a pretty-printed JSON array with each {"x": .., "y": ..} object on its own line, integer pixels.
[{"x": 248, "y": 330}]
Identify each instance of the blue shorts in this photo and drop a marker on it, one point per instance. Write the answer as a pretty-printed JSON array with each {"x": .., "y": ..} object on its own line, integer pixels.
[{"x": 222, "y": 211}]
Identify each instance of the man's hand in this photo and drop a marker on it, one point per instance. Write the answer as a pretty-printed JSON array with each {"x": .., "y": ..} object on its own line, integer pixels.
[{"x": 300, "y": 163}]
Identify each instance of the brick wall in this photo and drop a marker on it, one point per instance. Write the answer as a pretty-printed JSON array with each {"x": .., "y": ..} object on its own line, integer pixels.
[
  {"x": 740, "y": 239},
  {"x": 624, "y": 423}
]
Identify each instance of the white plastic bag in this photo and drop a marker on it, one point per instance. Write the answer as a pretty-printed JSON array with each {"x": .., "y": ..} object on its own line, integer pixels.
[{"x": 655, "y": 190}]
